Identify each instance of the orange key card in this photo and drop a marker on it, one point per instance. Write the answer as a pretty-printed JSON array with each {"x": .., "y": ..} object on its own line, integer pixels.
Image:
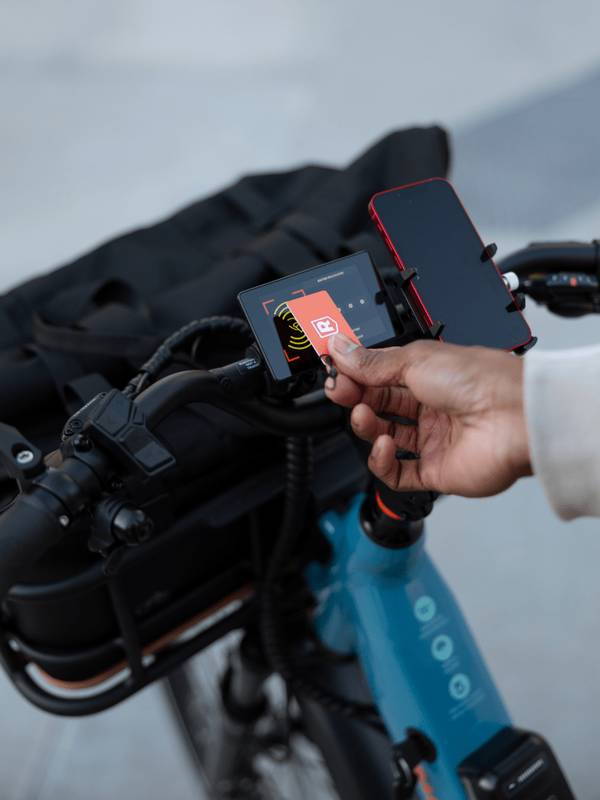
[{"x": 320, "y": 318}]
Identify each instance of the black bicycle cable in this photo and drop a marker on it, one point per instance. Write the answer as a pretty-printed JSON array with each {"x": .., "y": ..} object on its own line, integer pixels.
[
  {"x": 272, "y": 621},
  {"x": 297, "y": 498},
  {"x": 164, "y": 354}
]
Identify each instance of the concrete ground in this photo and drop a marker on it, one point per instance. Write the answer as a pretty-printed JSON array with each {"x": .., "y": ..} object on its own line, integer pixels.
[{"x": 114, "y": 113}]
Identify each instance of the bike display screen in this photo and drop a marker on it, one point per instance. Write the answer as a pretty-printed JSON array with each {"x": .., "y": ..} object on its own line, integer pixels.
[
  {"x": 351, "y": 283},
  {"x": 427, "y": 229}
]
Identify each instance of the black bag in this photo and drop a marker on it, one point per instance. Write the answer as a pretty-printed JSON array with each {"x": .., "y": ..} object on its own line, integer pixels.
[{"x": 67, "y": 335}]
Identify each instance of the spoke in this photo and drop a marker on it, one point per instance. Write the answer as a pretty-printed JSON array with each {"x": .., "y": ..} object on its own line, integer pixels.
[{"x": 299, "y": 775}]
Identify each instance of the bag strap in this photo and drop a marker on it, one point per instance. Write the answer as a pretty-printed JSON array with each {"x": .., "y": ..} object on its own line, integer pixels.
[
  {"x": 81, "y": 390},
  {"x": 60, "y": 367},
  {"x": 297, "y": 241},
  {"x": 253, "y": 205},
  {"x": 324, "y": 240},
  {"x": 14, "y": 320},
  {"x": 134, "y": 348},
  {"x": 73, "y": 388}
]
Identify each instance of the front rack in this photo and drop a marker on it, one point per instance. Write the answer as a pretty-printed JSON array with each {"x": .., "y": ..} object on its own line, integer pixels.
[
  {"x": 142, "y": 665},
  {"x": 81, "y": 679}
]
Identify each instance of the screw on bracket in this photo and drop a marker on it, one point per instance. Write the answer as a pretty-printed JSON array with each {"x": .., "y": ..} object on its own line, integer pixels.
[{"x": 24, "y": 457}]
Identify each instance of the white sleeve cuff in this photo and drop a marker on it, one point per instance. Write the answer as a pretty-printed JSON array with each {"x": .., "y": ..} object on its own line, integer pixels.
[{"x": 562, "y": 406}]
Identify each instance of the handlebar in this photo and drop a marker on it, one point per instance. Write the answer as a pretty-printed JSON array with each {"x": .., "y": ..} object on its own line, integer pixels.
[
  {"x": 40, "y": 515},
  {"x": 233, "y": 392},
  {"x": 563, "y": 276},
  {"x": 37, "y": 520},
  {"x": 28, "y": 529},
  {"x": 552, "y": 257}
]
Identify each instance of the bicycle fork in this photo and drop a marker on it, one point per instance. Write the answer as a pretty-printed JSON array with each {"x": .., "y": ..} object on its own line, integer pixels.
[{"x": 229, "y": 764}]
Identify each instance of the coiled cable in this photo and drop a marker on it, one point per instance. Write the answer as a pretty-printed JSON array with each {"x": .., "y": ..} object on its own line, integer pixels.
[{"x": 297, "y": 498}]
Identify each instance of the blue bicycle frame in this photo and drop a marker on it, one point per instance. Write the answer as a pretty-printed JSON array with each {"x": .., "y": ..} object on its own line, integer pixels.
[{"x": 393, "y": 610}]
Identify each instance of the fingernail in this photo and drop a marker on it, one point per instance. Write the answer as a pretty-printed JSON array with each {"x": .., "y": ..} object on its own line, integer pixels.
[
  {"x": 342, "y": 344},
  {"x": 330, "y": 384},
  {"x": 406, "y": 455},
  {"x": 377, "y": 447}
]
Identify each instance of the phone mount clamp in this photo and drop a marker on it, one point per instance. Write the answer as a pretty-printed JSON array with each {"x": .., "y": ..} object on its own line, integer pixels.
[{"x": 404, "y": 278}]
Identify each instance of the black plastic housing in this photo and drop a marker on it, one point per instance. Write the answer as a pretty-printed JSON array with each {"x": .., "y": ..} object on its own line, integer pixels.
[
  {"x": 514, "y": 765},
  {"x": 80, "y": 624}
]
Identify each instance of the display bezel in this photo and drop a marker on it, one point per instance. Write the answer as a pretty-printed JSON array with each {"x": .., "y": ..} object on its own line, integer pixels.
[{"x": 361, "y": 261}]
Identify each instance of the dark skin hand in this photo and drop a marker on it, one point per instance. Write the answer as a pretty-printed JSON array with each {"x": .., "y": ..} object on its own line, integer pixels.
[{"x": 469, "y": 430}]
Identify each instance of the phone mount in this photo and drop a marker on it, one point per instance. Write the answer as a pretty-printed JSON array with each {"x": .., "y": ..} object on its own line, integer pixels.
[
  {"x": 397, "y": 288},
  {"x": 400, "y": 310}
]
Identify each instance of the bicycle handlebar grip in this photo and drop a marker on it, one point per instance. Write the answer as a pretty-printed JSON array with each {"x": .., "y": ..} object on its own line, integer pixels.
[{"x": 27, "y": 530}]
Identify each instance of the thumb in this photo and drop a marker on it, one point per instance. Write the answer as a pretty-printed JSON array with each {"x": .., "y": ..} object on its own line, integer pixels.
[{"x": 385, "y": 367}]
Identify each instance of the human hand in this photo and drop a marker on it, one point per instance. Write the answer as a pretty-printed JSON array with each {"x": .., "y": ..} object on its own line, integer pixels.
[{"x": 468, "y": 434}]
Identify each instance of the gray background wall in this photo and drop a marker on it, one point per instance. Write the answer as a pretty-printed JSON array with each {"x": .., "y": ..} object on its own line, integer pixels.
[{"x": 114, "y": 113}]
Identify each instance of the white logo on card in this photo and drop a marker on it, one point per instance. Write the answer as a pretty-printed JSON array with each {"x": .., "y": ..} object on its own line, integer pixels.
[{"x": 325, "y": 326}]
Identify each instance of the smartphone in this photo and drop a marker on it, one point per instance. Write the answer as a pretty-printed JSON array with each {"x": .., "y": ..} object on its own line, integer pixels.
[
  {"x": 426, "y": 228},
  {"x": 345, "y": 294}
]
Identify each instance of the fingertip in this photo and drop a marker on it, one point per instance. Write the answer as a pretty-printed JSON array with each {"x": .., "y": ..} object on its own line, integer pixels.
[
  {"x": 381, "y": 460},
  {"x": 382, "y": 454},
  {"x": 401, "y": 476},
  {"x": 341, "y": 345},
  {"x": 343, "y": 391},
  {"x": 364, "y": 422},
  {"x": 362, "y": 415}
]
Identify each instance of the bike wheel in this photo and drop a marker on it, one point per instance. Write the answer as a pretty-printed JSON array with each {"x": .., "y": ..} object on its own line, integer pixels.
[{"x": 273, "y": 758}]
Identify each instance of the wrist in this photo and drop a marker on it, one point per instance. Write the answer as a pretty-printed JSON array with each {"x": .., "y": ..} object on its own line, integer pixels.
[{"x": 521, "y": 452}]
